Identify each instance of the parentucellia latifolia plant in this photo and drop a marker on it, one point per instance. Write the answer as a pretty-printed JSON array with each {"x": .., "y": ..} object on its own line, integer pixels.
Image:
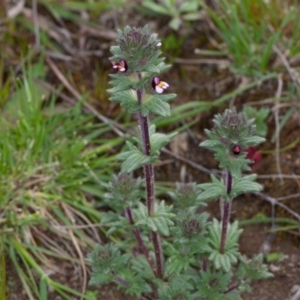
[{"x": 171, "y": 252}]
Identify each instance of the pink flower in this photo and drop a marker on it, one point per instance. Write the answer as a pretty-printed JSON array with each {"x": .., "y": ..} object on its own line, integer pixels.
[
  {"x": 159, "y": 86},
  {"x": 121, "y": 65}
]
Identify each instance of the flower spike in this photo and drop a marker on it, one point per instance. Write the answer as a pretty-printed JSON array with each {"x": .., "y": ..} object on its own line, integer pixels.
[
  {"x": 121, "y": 66},
  {"x": 159, "y": 86}
]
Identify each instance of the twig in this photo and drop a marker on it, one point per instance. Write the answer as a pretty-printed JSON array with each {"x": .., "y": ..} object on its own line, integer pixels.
[
  {"x": 276, "y": 115},
  {"x": 82, "y": 217},
  {"x": 288, "y": 197},
  {"x": 78, "y": 249},
  {"x": 63, "y": 79},
  {"x": 292, "y": 72},
  {"x": 296, "y": 291},
  {"x": 198, "y": 61},
  {"x": 191, "y": 163},
  {"x": 276, "y": 202},
  {"x": 62, "y": 37},
  {"x": 114, "y": 126},
  {"x": 275, "y": 176},
  {"x": 36, "y": 24},
  {"x": 13, "y": 11}
]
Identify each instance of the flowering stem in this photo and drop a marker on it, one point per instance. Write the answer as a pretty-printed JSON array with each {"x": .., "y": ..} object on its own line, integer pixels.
[
  {"x": 139, "y": 239},
  {"x": 226, "y": 212},
  {"x": 149, "y": 178},
  {"x": 205, "y": 264}
]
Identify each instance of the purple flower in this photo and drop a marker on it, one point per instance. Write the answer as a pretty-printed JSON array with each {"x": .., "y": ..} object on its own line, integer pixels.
[
  {"x": 159, "y": 86},
  {"x": 121, "y": 65}
]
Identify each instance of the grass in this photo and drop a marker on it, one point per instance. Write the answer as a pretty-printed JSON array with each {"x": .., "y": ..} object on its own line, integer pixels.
[
  {"x": 50, "y": 163},
  {"x": 250, "y": 31}
]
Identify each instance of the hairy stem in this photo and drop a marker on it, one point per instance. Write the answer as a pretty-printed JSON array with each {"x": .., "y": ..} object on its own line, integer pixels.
[
  {"x": 122, "y": 281},
  {"x": 158, "y": 254},
  {"x": 150, "y": 188},
  {"x": 143, "y": 249},
  {"x": 226, "y": 212},
  {"x": 205, "y": 264},
  {"x": 232, "y": 287}
]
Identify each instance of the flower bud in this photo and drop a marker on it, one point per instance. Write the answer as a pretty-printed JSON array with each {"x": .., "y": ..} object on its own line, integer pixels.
[
  {"x": 191, "y": 227},
  {"x": 185, "y": 195},
  {"x": 236, "y": 149},
  {"x": 123, "y": 185}
]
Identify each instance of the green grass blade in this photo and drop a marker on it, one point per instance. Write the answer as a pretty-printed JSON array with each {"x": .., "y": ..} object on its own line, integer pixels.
[
  {"x": 2, "y": 270},
  {"x": 43, "y": 289}
]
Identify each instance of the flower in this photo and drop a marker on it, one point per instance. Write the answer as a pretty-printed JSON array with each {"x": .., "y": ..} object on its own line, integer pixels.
[
  {"x": 236, "y": 149},
  {"x": 121, "y": 65},
  {"x": 159, "y": 86}
]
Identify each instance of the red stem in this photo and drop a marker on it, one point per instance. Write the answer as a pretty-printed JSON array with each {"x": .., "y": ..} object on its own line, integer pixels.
[
  {"x": 226, "y": 213},
  {"x": 143, "y": 249},
  {"x": 149, "y": 178}
]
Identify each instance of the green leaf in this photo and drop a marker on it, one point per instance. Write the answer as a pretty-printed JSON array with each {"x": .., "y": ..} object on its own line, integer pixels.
[
  {"x": 141, "y": 266},
  {"x": 128, "y": 99},
  {"x": 166, "y": 97},
  {"x": 253, "y": 268},
  {"x": 213, "y": 285},
  {"x": 100, "y": 278},
  {"x": 161, "y": 225},
  {"x": 152, "y": 68},
  {"x": 135, "y": 160},
  {"x": 177, "y": 263},
  {"x": 119, "y": 83},
  {"x": 159, "y": 140},
  {"x": 254, "y": 140},
  {"x": 175, "y": 23},
  {"x": 193, "y": 16},
  {"x": 213, "y": 190},
  {"x": 275, "y": 256},
  {"x": 117, "y": 52},
  {"x": 188, "y": 6},
  {"x": 157, "y": 106},
  {"x": 223, "y": 261},
  {"x": 210, "y": 144},
  {"x": 160, "y": 221},
  {"x": 156, "y": 7},
  {"x": 157, "y": 103},
  {"x": 104, "y": 259},
  {"x": 245, "y": 184}
]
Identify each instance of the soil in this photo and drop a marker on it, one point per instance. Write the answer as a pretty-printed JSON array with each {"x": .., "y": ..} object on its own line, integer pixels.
[{"x": 209, "y": 82}]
